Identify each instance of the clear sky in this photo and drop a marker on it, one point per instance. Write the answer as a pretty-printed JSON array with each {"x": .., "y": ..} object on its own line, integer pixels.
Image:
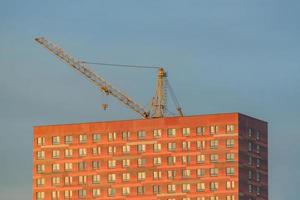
[{"x": 222, "y": 56}]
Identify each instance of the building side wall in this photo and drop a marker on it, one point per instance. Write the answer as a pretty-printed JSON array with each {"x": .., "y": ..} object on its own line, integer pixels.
[{"x": 253, "y": 158}]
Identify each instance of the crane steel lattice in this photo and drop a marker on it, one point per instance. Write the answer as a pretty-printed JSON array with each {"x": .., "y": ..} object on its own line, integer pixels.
[{"x": 158, "y": 102}]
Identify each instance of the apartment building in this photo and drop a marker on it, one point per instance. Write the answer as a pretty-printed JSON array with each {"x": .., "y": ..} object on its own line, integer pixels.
[{"x": 202, "y": 157}]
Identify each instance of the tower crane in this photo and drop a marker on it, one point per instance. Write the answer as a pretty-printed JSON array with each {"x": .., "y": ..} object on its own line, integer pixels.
[{"x": 159, "y": 101}]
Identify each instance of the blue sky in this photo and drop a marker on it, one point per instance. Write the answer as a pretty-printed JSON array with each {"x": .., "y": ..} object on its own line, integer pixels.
[{"x": 221, "y": 56}]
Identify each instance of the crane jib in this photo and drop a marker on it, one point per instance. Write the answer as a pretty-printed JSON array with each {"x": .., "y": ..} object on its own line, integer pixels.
[{"x": 92, "y": 76}]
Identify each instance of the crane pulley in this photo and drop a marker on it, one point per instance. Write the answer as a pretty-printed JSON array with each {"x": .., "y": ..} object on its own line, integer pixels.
[{"x": 159, "y": 101}]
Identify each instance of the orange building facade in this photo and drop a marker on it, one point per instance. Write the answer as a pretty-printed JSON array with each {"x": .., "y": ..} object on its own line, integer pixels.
[{"x": 203, "y": 157}]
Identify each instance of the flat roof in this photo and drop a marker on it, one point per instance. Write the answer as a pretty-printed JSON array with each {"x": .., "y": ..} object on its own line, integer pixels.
[{"x": 169, "y": 117}]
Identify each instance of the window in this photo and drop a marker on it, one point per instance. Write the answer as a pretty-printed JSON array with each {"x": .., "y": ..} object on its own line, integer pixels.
[
  {"x": 200, "y": 198},
  {"x": 125, "y": 177},
  {"x": 257, "y": 190},
  {"x": 82, "y": 180},
  {"x": 156, "y": 147},
  {"x": 257, "y": 176},
  {"x": 171, "y": 174},
  {"x": 250, "y": 174},
  {"x": 40, "y": 195},
  {"x": 68, "y": 139},
  {"x": 141, "y": 135},
  {"x": 82, "y": 138},
  {"x": 96, "y": 151},
  {"x": 96, "y": 137},
  {"x": 96, "y": 179},
  {"x": 200, "y": 130},
  {"x": 40, "y": 155},
  {"x": 249, "y": 146},
  {"x": 55, "y": 195},
  {"x": 111, "y": 164},
  {"x": 186, "y": 187},
  {"x": 126, "y": 149},
  {"x": 96, "y": 164},
  {"x": 231, "y": 197},
  {"x": 214, "y": 158},
  {"x": 82, "y": 166},
  {"x": 68, "y": 194},
  {"x": 141, "y": 176},
  {"x": 68, "y": 180},
  {"x": 171, "y": 188},
  {"x": 157, "y": 161},
  {"x": 214, "y": 198},
  {"x": 171, "y": 146},
  {"x": 156, "y": 175},
  {"x": 229, "y": 171},
  {"x": 230, "y": 157},
  {"x": 82, "y": 152},
  {"x": 186, "y": 131},
  {"x": 171, "y": 132},
  {"x": 55, "y": 140},
  {"x": 186, "y": 145},
  {"x": 68, "y": 166},
  {"x": 250, "y": 160},
  {"x": 55, "y": 167},
  {"x": 200, "y": 172},
  {"x": 40, "y": 182},
  {"x": 200, "y": 144},
  {"x": 125, "y": 135},
  {"x": 40, "y": 169},
  {"x": 214, "y": 186},
  {"x": 186, "y": 159},
  {"x": 229, "y": 143},
  {"x": 229, "y": 128},
  {"x": 214, "y": 172},
  {"x": 82, "y": 193},
  {"x": 257, "y": 135},
  {"x": 141, "y": 148},
  {"x": 157, "y": 133},
  {"x": 214, "y": 144},
  {"x": 200, "y": 158},
  {"x": 250, "y": 188},
  {"x": 171, "y": 160},
  {"x": 186, "y": 173},
  {"x": 213, "y": 130},
  {"x": 126, "y": 163},
  {"x": 68, "y": 153},
  {"x": 96, "y": 192},
  {"x": 250, "y": 132},
  {"x": 112, "y": 150},
  {"x": 55, "y": 181},
  {"x": 112, "y": 136},
  {"x": 55, "y": 154},
  {"x": 156, "y": 189},
  {"x": 141, "y": 162},
  {"x": 257, "y": 162},
  {"x": 229, "y": 185},
  {"x": 40, "y": 141},
  {"x": 111, "y": 178},
  {"x": 125, "y": 191},
  {"x": 111, "y": 192},
  {"x": 257, "y": 148},
  {"x": 200, "y": 187},
  {"x": 140, "y": 190}
]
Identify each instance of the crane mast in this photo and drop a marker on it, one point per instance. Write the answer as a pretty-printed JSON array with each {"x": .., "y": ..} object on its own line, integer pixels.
[
  {"x": 159, "y": 101},
  {"x": 104, "y": 85}
]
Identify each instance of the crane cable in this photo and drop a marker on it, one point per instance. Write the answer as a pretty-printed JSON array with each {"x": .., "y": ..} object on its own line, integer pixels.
[{"x": 120, "y": 65}]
